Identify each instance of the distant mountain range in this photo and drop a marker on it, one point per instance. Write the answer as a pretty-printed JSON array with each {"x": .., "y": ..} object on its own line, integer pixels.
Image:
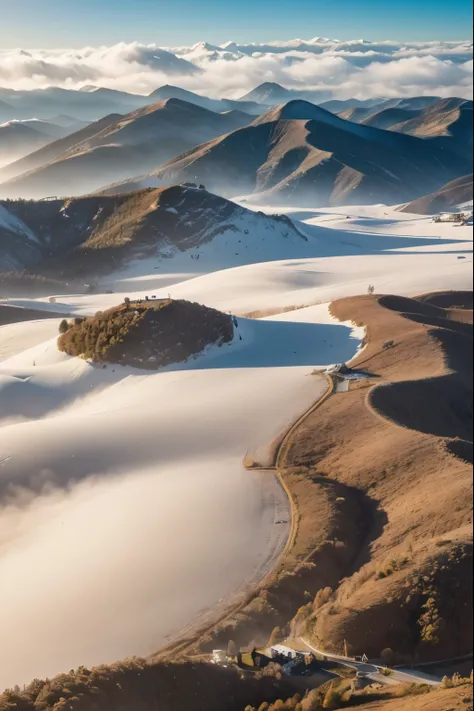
[
  {"x": 116, "y": 148},
  {"x": 300, "y": 154},
  {"x": 388, "y": 151}
]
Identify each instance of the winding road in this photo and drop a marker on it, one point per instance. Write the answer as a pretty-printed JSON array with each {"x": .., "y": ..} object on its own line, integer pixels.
[{"x": 373, "y": 671}]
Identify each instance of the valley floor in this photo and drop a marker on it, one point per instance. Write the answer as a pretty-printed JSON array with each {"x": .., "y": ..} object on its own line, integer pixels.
[{"x": 127, "y": 514}]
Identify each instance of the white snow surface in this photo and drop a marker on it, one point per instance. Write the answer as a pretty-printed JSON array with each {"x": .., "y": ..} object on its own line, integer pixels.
[{"x": 126, "y": 513}]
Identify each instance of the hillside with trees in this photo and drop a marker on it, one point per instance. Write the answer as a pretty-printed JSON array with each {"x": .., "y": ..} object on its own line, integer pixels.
[{"x": 146, "y": 334}]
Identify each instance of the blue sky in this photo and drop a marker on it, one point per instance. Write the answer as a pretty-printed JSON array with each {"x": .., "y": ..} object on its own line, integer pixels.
[{"x": 75, "y": 23}]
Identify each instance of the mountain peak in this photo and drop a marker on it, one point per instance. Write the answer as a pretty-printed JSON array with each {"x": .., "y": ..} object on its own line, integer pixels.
[
  {"x": 297, "y": 110},
  {"x": 206, "y": 47}
]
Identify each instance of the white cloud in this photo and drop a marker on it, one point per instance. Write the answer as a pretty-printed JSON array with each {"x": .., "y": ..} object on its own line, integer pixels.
[{"x": 359, "y": 68}]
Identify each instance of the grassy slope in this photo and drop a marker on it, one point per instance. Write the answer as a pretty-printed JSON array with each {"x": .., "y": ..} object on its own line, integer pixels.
[
  {"x": 373, "y": 496},
  {"x": 418, "y": 547}
]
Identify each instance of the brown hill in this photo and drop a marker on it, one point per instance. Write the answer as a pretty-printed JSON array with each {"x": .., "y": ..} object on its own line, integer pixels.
[
  {"x": 381, "y": 484},
  {"x": 302, "y": 154},
  {"x": 130, "y": 144},
  {"x": 70, "y": 239},
  {"x": 450, "y": 195},
  {"x": 146, "y": 334},
  {"x": 410, "y": 589}
]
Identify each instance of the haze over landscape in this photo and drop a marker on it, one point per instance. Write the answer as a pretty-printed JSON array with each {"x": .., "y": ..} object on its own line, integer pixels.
[{"x": 236, "y": 357}]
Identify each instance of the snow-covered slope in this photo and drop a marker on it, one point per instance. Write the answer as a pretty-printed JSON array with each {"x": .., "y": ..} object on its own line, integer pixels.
[
  {"x": 174, "y": 228},
  {"x": 134, "y": 481},
  {"x": 153, "y": 463}
]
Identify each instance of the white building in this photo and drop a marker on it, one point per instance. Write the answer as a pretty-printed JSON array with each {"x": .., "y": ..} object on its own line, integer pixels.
[{"x": 280, "y": 650}]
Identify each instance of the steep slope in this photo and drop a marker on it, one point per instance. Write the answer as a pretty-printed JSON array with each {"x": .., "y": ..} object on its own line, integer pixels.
[
  {"x": 138, "y": 141},
  {"x": 454, "y": 193},
  {"x": 301, "y": 154},
  {"x": 95, "y": 234}
]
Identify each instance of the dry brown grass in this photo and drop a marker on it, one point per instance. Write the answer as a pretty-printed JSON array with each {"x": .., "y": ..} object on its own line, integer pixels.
[
  {"x": 384, "y": 509},
  {"x": 422, "y": 492}
]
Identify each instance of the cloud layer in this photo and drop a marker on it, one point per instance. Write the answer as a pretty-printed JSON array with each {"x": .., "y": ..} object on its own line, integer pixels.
[{"x": 358, "y": 69}]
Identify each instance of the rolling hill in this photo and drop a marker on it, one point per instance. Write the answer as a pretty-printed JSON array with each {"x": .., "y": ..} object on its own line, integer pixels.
[
  {"x": 452, "y": 194},
  {"x": 95, "y": 234},
  {"x": 302, "y": 154},
  {"x": 117, "y": 148}
]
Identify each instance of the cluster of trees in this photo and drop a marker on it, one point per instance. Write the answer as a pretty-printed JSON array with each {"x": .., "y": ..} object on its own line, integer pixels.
[
  {"x": 139, "y": 685},
  {"x": 146, "y": 334},
  {"x": 93, "y": 337}
]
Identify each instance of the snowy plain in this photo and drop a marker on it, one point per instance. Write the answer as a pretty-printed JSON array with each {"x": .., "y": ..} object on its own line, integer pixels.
[{"x": 127, "y": 515}]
